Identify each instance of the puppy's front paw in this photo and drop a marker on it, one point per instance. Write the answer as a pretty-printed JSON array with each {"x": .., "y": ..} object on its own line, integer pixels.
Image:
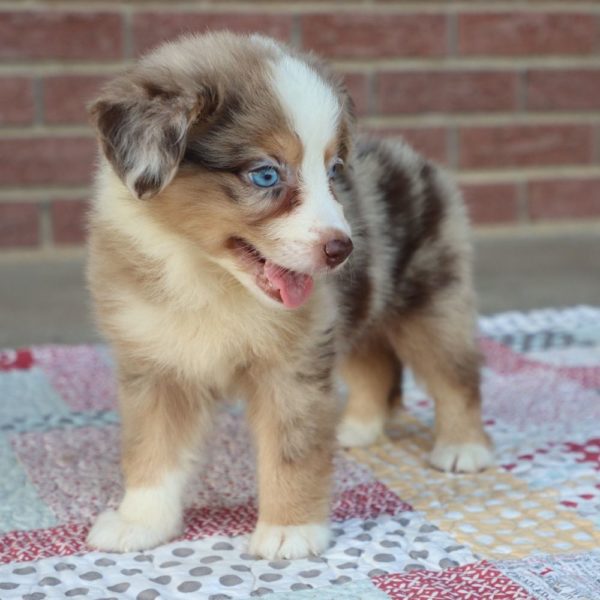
[
  {"x": 113, "y": 533},
  {"x": 352, "y": 433},
  {"x": 461, "y": 458},
  {"x": 289, "y": 541}
]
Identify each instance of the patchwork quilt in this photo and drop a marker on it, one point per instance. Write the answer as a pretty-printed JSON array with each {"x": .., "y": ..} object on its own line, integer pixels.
[{"x": 527, "y": 529}]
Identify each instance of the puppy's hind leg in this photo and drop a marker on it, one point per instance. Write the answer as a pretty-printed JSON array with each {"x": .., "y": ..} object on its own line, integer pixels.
[
  {"x": 160, "y": 423},
  {"x": 373, "y": 374},
  {"x": 440, "y": 348}
]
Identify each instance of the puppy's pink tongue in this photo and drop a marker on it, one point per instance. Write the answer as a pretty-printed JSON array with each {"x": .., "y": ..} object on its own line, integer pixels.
[{"x": 294, "y": 288}]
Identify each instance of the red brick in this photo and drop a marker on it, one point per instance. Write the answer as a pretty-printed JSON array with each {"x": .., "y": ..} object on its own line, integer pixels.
[
  {"x": 16, "y": 100},
  {"x": 56, "y": 34},
  {"x": 364, "y": 36},
  {"x": 443, "y": 91},
  {"x": 357, "y": 86},
  {"x": 527, "y": 33},
  {"x": 68, "y": 221},
  {"x": 491, "y": 203},
  {"x": 523, "y": 146},
  {"x": 564, "y": 199},
  {"x": 577, "y": 89},
  {"x": 60, "y": 160},
  {"x": 19, "y": 225},
  {"x": 152, "y": 28},
  {"x": 431, "y": 141},
  {"x": 66, "y": 97}
]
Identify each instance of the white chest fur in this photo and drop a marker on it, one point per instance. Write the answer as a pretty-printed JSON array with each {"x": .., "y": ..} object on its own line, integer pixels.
[{"x": 200, "y": 320}]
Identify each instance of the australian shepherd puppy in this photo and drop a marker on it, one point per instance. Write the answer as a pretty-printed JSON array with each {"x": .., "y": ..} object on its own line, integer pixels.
[{"x": 243, "y": 240}]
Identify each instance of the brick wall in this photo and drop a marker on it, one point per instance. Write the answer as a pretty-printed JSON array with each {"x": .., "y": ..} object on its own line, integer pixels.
[{"x": 505, "y": 92}]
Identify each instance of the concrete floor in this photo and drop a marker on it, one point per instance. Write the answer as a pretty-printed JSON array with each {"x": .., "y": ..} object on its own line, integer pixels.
[{"x": 43, "y": 300}]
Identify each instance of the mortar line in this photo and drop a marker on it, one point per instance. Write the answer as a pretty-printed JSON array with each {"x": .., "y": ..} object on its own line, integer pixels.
[
  {"x": 596, "y": 148},
  {"x": 281, "y": 7},
  {"x": 521, "y": 91},
  {"x": 452, "y": 147},
  {"x": 127, "y": 19},
  {"x": 516, "y": 174},
  {"x": 374, "y": 121},
  {"x": 443, "y": 63},
  {"x": 38, "y": 100},
  {"x": 46, "y": 237},
  {"x": 296, "y": 32},
  {"x": 451, "y": 34},
  {"x": 469, "y": 63},
  {"x": 523, "y": 202},
  {"x": 372, "y": 95},
  {"x": 485, "y": 119},
  {"x": 35, "y": 194},
  {"x": 44, "y": 130}
]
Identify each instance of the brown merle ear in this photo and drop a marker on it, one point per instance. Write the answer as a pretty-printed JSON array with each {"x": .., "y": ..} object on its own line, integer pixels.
[
  {"x": 347, "y": 122},
  {"x": 143, "y": 128},
  {"x": 346, "y": 126}
]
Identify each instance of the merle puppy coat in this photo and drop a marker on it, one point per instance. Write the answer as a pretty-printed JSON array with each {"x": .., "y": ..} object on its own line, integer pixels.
[{"x": 243, "y": 240}]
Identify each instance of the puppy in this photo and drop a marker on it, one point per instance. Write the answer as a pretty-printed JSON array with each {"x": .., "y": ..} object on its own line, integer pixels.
[{"x": 241, "y": 239}]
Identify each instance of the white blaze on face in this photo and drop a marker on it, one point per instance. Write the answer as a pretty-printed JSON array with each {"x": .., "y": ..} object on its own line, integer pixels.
[{"x": 313, "y": 111}]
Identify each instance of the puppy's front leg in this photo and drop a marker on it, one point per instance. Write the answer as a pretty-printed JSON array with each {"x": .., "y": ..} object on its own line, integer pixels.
[
  {"x": 161, "y": 419},
  {"x": 293, "y": 417}
]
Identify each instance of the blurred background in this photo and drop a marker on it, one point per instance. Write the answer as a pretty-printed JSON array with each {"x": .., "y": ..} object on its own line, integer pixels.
[{"x": 505, "y": 93}]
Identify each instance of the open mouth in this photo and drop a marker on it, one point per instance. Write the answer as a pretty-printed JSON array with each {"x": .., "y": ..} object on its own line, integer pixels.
[{"x": 290, "y": 288}]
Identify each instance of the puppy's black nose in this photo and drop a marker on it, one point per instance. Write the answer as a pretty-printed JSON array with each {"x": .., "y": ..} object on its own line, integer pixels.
[{"x": 337, "y": 250}]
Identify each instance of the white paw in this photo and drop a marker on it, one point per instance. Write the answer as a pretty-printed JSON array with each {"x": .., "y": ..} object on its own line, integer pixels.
[
  {"x": 289, "y": 541},
  {"x": 113, "y": 533},
  {"x": 352, "y": 433},
  {"x": 461, "y": 458}
]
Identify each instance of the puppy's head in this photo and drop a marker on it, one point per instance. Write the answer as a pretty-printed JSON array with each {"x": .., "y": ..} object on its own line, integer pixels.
[{"x": 235, "y": 143}]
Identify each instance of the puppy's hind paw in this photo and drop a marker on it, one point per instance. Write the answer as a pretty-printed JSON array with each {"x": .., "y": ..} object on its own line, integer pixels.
[
  {"x": 461, "y": 458},
  {"x": 113, "y": 533},
  {"x": 289, "y": 541}
]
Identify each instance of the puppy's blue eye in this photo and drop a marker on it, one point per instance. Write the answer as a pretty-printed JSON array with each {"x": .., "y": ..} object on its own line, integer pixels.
[
  {"x": 265, "y": 177},
  {"x": 335, "y": 168}
]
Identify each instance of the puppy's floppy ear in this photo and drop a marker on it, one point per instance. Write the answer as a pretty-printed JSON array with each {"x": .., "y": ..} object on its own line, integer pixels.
[
  {"x": 347, "y": 124},
  {"x": 143, "y": 126}
]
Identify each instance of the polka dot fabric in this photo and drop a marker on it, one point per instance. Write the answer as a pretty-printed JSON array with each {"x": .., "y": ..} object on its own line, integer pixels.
[{"x": 527, "y": 529}]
